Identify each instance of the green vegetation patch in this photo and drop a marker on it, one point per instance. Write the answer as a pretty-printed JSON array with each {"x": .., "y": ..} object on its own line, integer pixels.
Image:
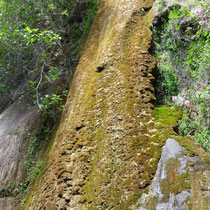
[
  {"x": 168, "y": 115},
  {"x": 181, "y": 45}
]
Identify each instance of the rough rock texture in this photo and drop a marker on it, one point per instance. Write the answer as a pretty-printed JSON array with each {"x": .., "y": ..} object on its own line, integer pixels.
[
  {"x": 177, "y": 182},
  {"x": 102, "y": 146},
  {"x": 108, "y": 144},
  {"x": 15, "y": 121}
]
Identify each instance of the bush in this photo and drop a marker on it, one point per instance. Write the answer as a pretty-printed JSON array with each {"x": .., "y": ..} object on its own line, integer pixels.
[
  {"x": 203, "y": 137},
  {"x": 185, "y": 125},
  {"x": 182, "y": 47}
]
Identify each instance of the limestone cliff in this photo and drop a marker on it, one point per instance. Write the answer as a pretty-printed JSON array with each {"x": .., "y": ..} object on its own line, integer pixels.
[
  {"x": 108, "y": 144},
  {"x": 97, "y": 160}
]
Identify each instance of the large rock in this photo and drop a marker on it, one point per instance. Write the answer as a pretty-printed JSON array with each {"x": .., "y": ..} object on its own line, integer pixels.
[{"x": 180, "y": 183}]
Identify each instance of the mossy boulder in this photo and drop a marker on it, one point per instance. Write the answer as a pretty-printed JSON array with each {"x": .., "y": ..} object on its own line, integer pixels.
[{"x": 174, "y": 185}]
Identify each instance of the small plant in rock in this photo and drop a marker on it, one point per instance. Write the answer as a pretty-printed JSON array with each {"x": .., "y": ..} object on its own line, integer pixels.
[
  {"x": 37, "y": 169},
  {"x": 186, "y": 126},
  {"x": 52, "y": 104},
  {"x": 203, "y": 137},
  {"x": 161, "y": 4}
]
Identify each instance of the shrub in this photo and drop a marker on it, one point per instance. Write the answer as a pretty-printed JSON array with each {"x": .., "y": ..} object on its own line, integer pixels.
[{"x": 182, "y": 48}]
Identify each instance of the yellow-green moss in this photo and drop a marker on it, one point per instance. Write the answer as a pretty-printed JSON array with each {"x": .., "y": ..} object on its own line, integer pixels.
[
  {"x": 152, "y": 203},
  {"x": 134, "y": 143},
  {"x": 132, "y": 200},
  {"x": 168, "y": 115},
  {"x": 174, "y": 183}
]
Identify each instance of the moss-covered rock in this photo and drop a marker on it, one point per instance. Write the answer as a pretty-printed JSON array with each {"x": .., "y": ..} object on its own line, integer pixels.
[{"x": 173, "y": 186}]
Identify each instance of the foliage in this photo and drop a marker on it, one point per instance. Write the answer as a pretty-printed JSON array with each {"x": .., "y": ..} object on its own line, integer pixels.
[
  {"x": 183, "y": 43},
  {"x": 199, "y": 125},
  {"x": 88, "y": 21},
  {"x": 168, "y": 78},
  {"x": 182, "y": 48},
  {"x": 198, "y": 58},
  {"x": 33, "y": 166},
  {"x": 34, "y": 144},
  {"x": 203, "y": 137},
  {"x": 202, "y": 99},
  {"x": 36, "y": 38},
  {"x": 168, "y": 43},
  {"x": 161, "y": 4},
  {"x": 186, "y": 126},
  {"x": 37, "y": 169},
  {"x": 194, "y": 127},
  {"x": 51, "y": 104}
]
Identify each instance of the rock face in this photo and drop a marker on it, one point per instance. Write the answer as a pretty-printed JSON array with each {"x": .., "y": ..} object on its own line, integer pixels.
[
  {"x": 108, "y": 144},
  {"x": 102, "y": 145},
  {"x": 176, "y": 183},
  {"x": 14, "y": 123}
]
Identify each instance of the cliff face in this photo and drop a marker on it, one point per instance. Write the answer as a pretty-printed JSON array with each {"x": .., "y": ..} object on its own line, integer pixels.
[
  {"x": 99, "y": 152},
  {"x": 109, "y": 141},
  {"x": 15, "y": 122}
]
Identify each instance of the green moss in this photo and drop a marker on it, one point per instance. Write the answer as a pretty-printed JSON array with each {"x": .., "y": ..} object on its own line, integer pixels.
[
  {"x": 168, "y": 115},
  {"x": 172, "y": 164},
  {"x": 132, "y": 199},
  {"x": 136, "y": 142},
  {"x": 166, "y": 118},
  {"x": 152, "y": 203},
  {"x": 189, "y": 205},
  {"x": 191, "y": 148},
  {"x": 188, "y": 145}
]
